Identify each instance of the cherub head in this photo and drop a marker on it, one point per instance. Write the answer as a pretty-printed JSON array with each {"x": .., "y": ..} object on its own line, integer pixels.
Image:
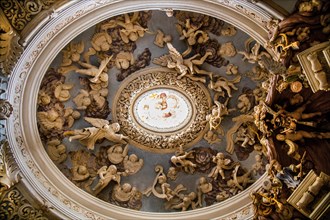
[
  {"x": 115, "y": 127},
  {"x": 133, "y": 158},
  {"x": 127, "y": 187},
  {"x": 202, "y": 180},
  {"x": 112, "y": 169},
  {"x": 82, "y": 170},
  {"x": 220, "y": 155}
]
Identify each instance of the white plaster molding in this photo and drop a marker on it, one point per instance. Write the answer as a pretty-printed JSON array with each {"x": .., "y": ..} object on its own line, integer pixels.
[{"x": 38, "y": 170}]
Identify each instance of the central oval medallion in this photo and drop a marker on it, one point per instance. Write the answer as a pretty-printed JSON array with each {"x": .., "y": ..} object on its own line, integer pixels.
[{"x": 160, "y": 112}]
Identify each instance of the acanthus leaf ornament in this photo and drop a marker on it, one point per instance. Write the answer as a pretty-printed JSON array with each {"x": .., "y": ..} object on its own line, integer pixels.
[{"x": 8, "y": 169}]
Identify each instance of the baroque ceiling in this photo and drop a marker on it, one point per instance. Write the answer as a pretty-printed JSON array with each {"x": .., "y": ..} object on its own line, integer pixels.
[{"x": 161, "y": 111}]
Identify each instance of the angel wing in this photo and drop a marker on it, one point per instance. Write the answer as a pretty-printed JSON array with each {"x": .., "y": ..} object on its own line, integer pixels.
[
  {"x": 46, "y": 123},
  {"x": 102, "y": 169},
  {"x": 80, "y": 47},
  {"x": 162, "y": 61},
  {"x": 97, "y": 122},
  {"x": 227, "y": 161},
  {"x": 175, "y": 55}
]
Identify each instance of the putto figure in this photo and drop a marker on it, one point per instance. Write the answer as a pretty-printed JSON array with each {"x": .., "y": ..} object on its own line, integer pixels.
[{"x": 102, "y": 129}]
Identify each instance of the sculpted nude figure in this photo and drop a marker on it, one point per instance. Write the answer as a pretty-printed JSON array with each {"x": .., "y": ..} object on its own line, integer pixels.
[
  {"x": 123, "y": 193},
  {"x": 215, "y": 117},
  {"x": 211, "y": 137},
  {"x": 132, "y": 164},
  {"x": 62, "y": 92},
  {"x": 161, "y": 39},
  {"x": 185, "y": 67},
  {"x": 82, "y": 100},
  {"x": 99, "y": 96},
  {"x": 50, "y": 120},
  {"x": 98, "y": 73},
  {"x": 244, "y": 103},
  {"x": 56, "y": 151},
  {"x": 203, "y": 187},
  {"x": 223, "y": 83},
  {"x": 187, "y": 201},
  {"x": 191, "y": 33},
  {"x": 106, "y": 175},
  {"x": 116, "y": 153},
  {"x": 253, "y": 55},
  {"x": 70, "y": 116},
  {"x": 103, "y": 129},
  {"x": 79, "y": 173},
  {"x": 181, "y": 160},
  {"x": 222, "y": 164},
  {"x": 132, "y": 30},
  {"x": 124, "y": 60}
]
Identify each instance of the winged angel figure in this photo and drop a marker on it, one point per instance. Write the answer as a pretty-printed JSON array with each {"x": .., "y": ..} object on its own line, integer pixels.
[
  {"x": 102, "y": 129},
  {"x": 186, "y": 67}
]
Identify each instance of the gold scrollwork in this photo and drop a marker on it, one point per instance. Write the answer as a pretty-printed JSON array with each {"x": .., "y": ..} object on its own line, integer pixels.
[
  {"x": 13, "y": 205},
  {"x": 10, "y": 49},
  {"x": 19, "y": 12},
  {"x": 161, "y": 78}
]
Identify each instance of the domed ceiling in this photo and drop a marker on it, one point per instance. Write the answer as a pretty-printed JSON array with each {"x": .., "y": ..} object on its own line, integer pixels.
[
  {"x": 176, "y": 113},
  {"x": 135, "y": 111}
]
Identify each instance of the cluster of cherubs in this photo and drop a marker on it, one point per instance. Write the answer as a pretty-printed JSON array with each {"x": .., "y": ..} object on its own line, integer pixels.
[{"x": 177, "y": 198}]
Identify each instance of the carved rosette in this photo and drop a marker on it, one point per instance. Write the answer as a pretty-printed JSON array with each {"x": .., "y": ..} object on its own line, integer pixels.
[
  {"x": 193, "y": 98},
  {"x": 5, "y": 109}
]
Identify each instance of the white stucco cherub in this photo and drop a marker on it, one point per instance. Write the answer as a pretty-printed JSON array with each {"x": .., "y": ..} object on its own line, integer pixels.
[{"x": 102, "y": 129}]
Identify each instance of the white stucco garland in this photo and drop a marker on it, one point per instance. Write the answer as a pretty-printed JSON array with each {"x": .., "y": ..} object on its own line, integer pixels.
[{"x": 63, "y": 197}]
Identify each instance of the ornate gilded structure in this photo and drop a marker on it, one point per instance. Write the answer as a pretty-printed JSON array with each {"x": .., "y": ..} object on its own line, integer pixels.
[
  {"x": 19, "y": 13},
  {"x": 10, "y": 49},
  {"x": 47, "y": 166},
  {"x": 195, "y": 102},
  {"x": 13, "y": 205}
]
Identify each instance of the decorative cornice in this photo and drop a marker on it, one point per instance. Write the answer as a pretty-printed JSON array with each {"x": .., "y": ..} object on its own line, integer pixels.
[{"x": 5, "y": 109}]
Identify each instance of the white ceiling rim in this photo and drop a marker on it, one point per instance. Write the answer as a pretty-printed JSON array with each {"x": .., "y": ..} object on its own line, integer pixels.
[{"x": 24, "y": 84}]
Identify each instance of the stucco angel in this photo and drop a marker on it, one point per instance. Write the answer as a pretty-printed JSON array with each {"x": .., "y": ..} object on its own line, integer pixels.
[
  {"x": 56, "y": 151},
  {"x": 131, "y": 30},
  {"x": 116, "y": 153},
  {"x": 222, "y": 164},
  {"x": 185, "y": 67},
  {"x": 254, "y": 54},
  {"x": 102, "y": 129},
  {"x": 50, "y": 120},
  {"x": 72, "y": 52},
  {"x": 223, "y": 83},
  {"x": 97, "y": 72},
  {"x": 192, "y": 33},
  {"x": 106, "y": 175},
  {"x": 132, "y": 163}
]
